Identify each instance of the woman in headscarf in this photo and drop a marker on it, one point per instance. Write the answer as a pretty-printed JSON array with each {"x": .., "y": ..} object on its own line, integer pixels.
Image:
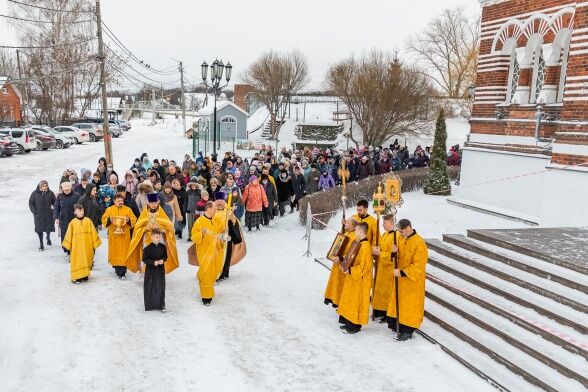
[{"x": 41, "y": 205}]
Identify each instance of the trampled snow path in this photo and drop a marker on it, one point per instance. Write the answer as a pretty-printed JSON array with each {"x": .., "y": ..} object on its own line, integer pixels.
[{"x": 267, "y": 328}]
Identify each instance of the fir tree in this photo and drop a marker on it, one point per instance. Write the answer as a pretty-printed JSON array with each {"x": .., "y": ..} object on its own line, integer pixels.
[{"x": 437, "y": 182}]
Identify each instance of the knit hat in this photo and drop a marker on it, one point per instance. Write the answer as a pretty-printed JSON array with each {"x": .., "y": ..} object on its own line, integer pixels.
[
  {"x": 167, "y": 185},
  {"x": 252, "y": 178}
]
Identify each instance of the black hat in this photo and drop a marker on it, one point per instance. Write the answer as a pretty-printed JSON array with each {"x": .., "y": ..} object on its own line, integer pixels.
[
  {"x": 220, "y": 196},
  {"x": 152, "y": 197}
]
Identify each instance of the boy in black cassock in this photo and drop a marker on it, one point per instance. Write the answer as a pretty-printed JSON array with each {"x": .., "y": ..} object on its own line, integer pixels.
[{"x": 154, "y": 255}]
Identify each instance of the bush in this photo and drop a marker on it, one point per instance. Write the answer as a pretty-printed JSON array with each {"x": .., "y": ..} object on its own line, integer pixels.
[{"x": 322, "y": 202}]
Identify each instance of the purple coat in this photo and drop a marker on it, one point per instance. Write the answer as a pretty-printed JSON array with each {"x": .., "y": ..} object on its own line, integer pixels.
[{"x": 326, "y": 182}]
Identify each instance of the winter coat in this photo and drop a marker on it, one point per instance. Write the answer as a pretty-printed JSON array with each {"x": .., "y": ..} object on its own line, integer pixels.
[
  {"x": 271, "y": 193},
  {"x": 91, "y": 207},
  {"x": 172, "y": 177},
  {"x": 284, "y": 188},
  {"x": 326, "y": 182},
  {"x": 41, "y": 205},
  {"x": 141, "y": 198},
  {"x": 366, "y": 170},
  {"x": 312, "y": 184},
  {"x": 139, "y": 169},
  {"x": 384, "y": 166},
  {"x": 299, "y": 186},
  {"x": 130, "y": 202},
  {"x": 64, "y": 209},
  {"x": 173, "y": 203},
  {"x": 353, "y": 167},
  {"x": 254, "y": 198},
  {"x": 131, "y": 184},
  {"x": 192, "y": 197},
  {"x": 181, "y": 196}
]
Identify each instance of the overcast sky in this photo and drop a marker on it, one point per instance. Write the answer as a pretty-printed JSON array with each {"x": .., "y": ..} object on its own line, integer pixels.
[{"x": 239, "y": 30}]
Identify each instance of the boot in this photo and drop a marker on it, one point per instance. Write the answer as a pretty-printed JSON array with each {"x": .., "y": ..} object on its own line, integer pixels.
[
  {"x": 48, "y": 240},
  {"x": 404, "y": 336}
]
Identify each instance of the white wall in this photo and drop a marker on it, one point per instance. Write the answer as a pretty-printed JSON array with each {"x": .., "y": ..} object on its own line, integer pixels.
[
  {"x": 551, "y": 197},
  {"x": 521, "y": 194}
]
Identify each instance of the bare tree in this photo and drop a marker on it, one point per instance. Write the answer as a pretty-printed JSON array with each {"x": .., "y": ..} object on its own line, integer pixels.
[
  {"x": 60, "y": 69},
  {"x": 448, "y": 51},
  {"x": 275, "y": 78},
  {"x": 8, "y": 64},
  {"x": 385, "y": 97}
]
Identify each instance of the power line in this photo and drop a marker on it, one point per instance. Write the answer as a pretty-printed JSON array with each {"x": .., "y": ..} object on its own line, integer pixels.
[
  {"x": 84, "y": 64},
  {"x": 48, "y": 46},
  {"x": 42, "y": 21},
  {"x": 47, "y": 8},
  {"x": 135, "y": 58}
]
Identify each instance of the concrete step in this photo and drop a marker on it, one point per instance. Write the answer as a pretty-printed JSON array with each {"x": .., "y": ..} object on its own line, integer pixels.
[
  {"x": 517, "y": 361},
  {"x": 556, "y": 311},
  {"x": 540, "y": 268},
  {"x": 555, "y": 291},
  {"x": 485, "y": 236},
  {"x": 568, "y": 364},
  {"x": 547, "y": 329}
]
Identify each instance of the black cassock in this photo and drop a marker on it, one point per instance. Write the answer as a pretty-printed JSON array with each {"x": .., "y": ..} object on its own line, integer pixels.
[
  {"x": 235, "y": 235},
  {"x": 154, "y": 283}
]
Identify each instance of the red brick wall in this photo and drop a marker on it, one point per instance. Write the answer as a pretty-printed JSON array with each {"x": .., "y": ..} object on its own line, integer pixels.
[{"x": 241, "y": 91}]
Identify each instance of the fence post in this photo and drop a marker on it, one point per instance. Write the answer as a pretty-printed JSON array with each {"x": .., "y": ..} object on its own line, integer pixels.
[{"x": 308, "y": 230}]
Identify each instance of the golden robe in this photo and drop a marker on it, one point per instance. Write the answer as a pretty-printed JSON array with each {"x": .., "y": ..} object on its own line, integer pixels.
[
  {"x": 220, "y": 223},
  {"x": 208, "y": 247},
  {"x": 385, "y": 276},
  {"x": 337, "y": 277},
  {"x": 142, "y": 238},
  {"x": 412, "y": 261},
  {"x": 81, "y": 239},
  {"x": 372, "y": 227},
  {"x": 118, "y": 244},
  {"x": 355, "y": 298}
]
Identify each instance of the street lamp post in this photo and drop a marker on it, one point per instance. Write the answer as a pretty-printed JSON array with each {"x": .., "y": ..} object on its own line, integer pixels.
[{"x": 217, "y": 68}]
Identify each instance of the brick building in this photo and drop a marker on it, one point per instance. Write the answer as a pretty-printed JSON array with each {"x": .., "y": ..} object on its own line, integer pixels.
[
  {"x": 241, "y": 97},
  {"x": 529, "y": 127},
  {"x": 10, "y": 103}
]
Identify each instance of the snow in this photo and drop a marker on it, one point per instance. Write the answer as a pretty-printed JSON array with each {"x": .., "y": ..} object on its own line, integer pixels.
[{"x": 267, "y": 329}]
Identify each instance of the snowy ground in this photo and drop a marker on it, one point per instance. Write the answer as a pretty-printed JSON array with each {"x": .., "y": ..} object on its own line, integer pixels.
[{"x": 267, "y": 328}]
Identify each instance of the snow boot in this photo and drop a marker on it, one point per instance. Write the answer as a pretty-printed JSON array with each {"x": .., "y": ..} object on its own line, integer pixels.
[{"x": 404, "y": 336}]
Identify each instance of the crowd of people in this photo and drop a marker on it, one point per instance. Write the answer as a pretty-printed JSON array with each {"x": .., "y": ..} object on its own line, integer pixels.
[{"x": 156, "y": 202}]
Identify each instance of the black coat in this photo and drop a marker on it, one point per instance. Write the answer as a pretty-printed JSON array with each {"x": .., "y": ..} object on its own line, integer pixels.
[
  {"x": 181, "y": 195},
  {"x": 64, "y": 209},
  {"x": 299, "y": 186},
  {"x": 154, "y": 281},
  {"x": 132, "y": 204},
  {"x": 91, "y": 207},
  {"x": 41, "y": 205},
  {"x": 284, "y": 189}
]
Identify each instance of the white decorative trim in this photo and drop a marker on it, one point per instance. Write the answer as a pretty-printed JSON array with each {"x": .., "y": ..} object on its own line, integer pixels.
[
  {"x": 545, "y": 10},
  {"x": 494, "y": 65},
  {"x": 581, "y": 30},
  {"x": 490, "y": 93},
  {"x": 583, "y": 4},
  {"x": 487, "y": 102},
  {"x": 495, "y": 58},
  {"x": 574, "y": 78},
  {"x": 571, "y": 149},
  {"x": 572, "y": 85},
  {"x": 491, "y": 88},
  {"x": 579, "y": 37},
  {"x": 578, "y": 52},
  {"x": 579, "y": 45},
  {"x": 576, "y": 99},
  {"x": 493, "y": 69},
  {"x": 502, "y": 139},
  {"x": 528, "y": 120},
  {"x": 576, "y": 92},
  {"x": 559, "y": 166}
]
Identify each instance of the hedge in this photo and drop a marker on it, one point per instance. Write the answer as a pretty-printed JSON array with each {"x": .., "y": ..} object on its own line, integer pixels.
[{"x": 330, "y": 200}]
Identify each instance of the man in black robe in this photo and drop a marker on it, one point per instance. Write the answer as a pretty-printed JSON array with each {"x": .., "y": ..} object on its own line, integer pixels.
[{"x": 154, "y": 255}]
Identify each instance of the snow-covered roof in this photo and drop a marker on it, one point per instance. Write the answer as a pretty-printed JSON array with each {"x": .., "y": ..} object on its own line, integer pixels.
[
  {"x": 209, "y": 109},
  {"x": 3, "y": 79}
]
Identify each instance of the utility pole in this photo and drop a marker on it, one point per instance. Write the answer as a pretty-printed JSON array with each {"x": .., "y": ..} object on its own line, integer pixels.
[
  {"x": 102, "y": 58},
  {"x": 23, "y": 89},
  {"x": 183, "y": 97},
  {"x": 153, "y": 105}
]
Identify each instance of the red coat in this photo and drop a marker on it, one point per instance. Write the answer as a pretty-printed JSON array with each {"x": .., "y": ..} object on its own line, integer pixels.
[{"x": 254, "y": 198}]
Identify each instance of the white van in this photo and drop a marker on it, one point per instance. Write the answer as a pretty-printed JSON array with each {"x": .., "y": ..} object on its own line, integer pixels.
[{"x": 24, "y": 138}]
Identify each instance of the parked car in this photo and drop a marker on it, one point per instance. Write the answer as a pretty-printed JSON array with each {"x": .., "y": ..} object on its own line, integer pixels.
[
  {"x": 24, "y": 138},
  {"x": 45, "y": 140},
  {"x": 114, "y": 129},
  {"x": 77, "y": 134},
  {"x": 61, "y": 141},
  {"x": 95, "y": 130},
  {"x": 125, "y": 125},
  {"x": 8, "y": 146}
]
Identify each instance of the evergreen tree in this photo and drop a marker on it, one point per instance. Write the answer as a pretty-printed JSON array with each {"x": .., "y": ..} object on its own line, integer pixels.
[{"x": 437, "y": 182}]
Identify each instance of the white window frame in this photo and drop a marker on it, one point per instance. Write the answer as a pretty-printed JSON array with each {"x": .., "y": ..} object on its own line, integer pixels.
[
  {"x": 563, "y": 69},
  {"x": 511, "y": 74}
]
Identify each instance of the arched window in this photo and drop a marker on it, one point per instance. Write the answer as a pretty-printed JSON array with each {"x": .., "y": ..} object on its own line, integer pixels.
[
  {"x": 513, "y": 77},
  {"x": 228, "y": 120},
  {"x": 538, "y": 75}
]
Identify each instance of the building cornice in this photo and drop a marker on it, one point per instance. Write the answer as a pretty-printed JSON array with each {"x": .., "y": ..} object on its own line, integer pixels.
[{"x": 486, "y": 3}]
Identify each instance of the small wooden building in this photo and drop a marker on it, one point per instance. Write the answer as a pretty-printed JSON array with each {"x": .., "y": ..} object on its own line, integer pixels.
[{"x": 10, "y": 103}]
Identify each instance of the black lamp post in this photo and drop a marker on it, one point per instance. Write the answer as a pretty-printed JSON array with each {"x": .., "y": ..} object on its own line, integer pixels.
[{"x": 217, "y": 68}]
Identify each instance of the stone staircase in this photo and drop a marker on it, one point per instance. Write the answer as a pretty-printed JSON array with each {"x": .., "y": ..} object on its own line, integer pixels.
[
  {"x": 266, "y": 131},
  {"x": 517, "y": 314}
]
